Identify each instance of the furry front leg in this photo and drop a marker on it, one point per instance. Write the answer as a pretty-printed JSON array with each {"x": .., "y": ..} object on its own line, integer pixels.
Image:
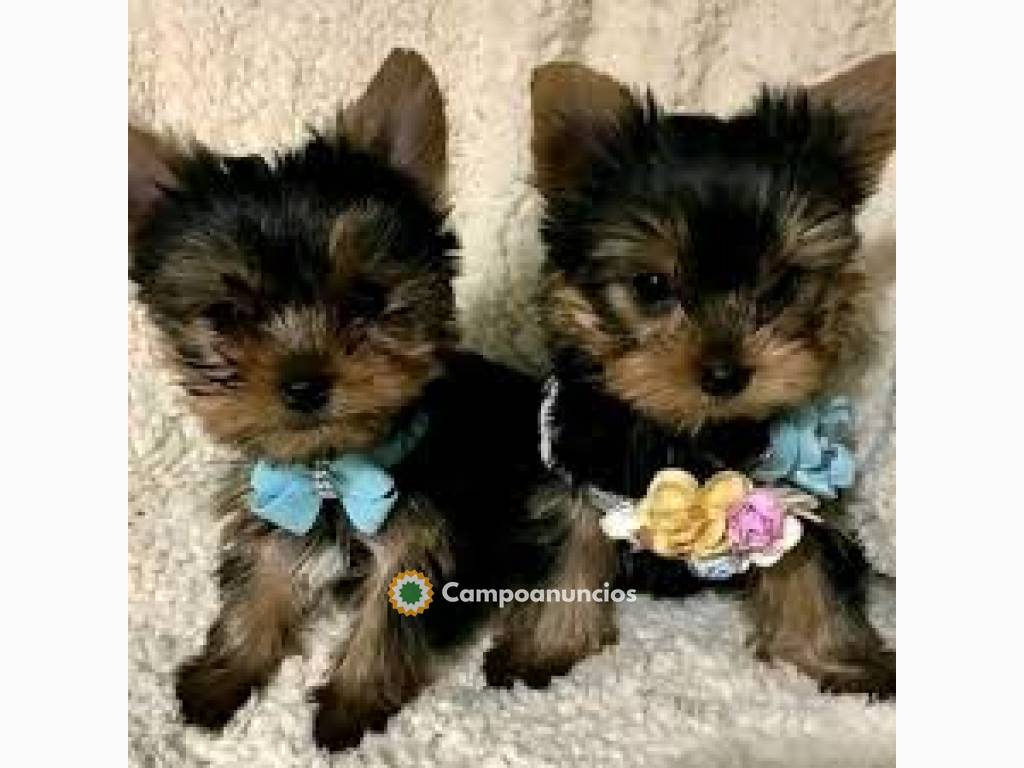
[
  {"x": 809, "y": 610},
  {"x": 387, "y": 659},
  {"x": 266, "y": 579},
  {"x": 540, "y": 640}
]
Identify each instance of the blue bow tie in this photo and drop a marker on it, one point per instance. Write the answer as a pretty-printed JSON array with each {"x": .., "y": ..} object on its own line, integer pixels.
[{"x": 290, "y": 495}]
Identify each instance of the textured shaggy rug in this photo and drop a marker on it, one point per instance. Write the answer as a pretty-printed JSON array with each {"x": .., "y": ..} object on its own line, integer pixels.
[{"x": 680, "y": 688}]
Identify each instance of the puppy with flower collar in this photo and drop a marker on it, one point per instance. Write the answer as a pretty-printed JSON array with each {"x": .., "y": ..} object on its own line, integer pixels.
[{"x": 705, "y": 301}]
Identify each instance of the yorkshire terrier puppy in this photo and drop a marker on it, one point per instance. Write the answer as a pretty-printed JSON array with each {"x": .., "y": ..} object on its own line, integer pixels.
[
  {"x": 307, "y": 305},
  {"x": 702, "y": 275}
]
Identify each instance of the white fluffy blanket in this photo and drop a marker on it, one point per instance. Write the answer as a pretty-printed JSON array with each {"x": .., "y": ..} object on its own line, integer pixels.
[{"x": 680, "y": 688}]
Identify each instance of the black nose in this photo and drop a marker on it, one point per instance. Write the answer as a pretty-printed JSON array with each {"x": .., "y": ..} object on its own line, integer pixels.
[
  {"x": 722, "y": 378},
  {"x": 306, "y": 394}
]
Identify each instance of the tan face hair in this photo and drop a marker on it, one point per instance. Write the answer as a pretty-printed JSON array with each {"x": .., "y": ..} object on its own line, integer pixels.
[
  {"x": 374, "y": 368},
  {"x": 655, "y": 358}
]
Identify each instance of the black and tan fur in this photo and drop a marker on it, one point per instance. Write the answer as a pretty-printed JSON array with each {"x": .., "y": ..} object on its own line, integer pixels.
[
  {"x": 703, "y": 274},
  {"x": 307, "y": 306}
]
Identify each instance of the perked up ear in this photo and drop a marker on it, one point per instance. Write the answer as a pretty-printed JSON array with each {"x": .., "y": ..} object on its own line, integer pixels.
[
  {"x": 865, "y": 95},
  {"x": 401, "y": 118},
  {"x": 150, "y": 174},
  {"x": 573, "y": 108}
]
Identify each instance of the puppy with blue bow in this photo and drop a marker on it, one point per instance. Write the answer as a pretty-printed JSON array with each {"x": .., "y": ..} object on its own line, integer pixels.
[{"x": 307, "y": 305}]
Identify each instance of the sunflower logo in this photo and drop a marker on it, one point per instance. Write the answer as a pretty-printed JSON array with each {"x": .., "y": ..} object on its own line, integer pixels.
[{"x": 410, "y": 593}]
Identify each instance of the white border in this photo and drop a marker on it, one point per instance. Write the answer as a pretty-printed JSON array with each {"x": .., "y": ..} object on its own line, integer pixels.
[
  {"x": 64, "y": 502},
  {"x": 960, "y": 460}
]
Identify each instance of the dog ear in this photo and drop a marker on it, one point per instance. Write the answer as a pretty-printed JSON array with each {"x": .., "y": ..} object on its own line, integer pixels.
[
  {"x": 401, "y": 118},
  {"x": 865, "y": 96},
  {"x": 151, "y": 161},
  {"x": 574, "y": 108}
]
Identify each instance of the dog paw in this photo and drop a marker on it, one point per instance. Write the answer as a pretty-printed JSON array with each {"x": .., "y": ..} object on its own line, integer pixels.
[
  {"x": 208, "y": 694},
  {"x": 502, "y": 669},
  {"x": 340, "y": 722},
  {"x": 504, "y": 663},
  {"x": 875, "y": 676}
]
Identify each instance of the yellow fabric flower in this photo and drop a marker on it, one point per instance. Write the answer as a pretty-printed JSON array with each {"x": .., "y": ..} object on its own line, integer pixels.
[{"x": 681, "y": 518}]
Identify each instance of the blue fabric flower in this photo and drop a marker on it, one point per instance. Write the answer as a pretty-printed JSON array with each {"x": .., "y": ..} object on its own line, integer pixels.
[
  {"x": 290, "y": 495},
  {"x": 807, "y": 448}
]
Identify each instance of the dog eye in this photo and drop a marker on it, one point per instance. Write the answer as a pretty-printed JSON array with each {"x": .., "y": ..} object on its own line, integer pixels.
[
  {"x": 225, "y": 316},
  {"x": 653, "y": 289},
  {"x": 779, "y": 295},
  {"x": 368, "y": 299}
]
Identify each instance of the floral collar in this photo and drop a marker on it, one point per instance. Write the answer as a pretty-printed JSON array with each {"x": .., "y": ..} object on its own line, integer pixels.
[{"x": 735, "y": 520}]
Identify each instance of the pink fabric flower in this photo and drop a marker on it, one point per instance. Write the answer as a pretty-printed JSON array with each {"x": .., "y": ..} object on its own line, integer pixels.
[{"x": 756, "y": 523}]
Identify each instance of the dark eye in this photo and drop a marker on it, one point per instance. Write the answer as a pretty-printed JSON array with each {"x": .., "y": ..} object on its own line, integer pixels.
[
  {"x": 653, "y": 289},
  {"x": 368, "y": 299},
  {"x": 779, "y": 295},
  {"x": 225, "y": 316}
]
